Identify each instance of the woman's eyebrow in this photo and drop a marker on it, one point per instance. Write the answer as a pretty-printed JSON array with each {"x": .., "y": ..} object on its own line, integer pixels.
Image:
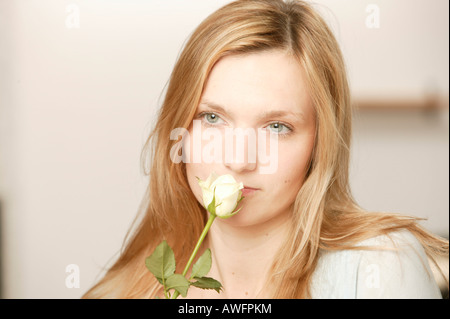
[
  {"x": 213, "y": 106},
  {"x": 281, "y": 113},
  {"x": 262, "y": 115}
]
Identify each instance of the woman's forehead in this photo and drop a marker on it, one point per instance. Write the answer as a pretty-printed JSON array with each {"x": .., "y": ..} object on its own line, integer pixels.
[{"x": 269, "y": 81}]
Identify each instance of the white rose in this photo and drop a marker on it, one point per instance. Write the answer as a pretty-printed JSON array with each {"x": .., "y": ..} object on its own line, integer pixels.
[{"x": 225, "y": 192}]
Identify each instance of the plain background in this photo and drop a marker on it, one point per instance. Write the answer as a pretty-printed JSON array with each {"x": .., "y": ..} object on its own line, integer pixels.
[{"x": 77, "y": 101}]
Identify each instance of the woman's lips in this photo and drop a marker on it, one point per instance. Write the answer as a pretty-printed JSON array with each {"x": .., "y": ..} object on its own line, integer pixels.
[{"x": 246, "y": 191}]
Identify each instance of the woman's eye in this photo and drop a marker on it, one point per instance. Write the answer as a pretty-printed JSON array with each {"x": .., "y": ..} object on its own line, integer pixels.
[
  {"x": 212, "y": 118},
  {"x": 279, "y": 128}
]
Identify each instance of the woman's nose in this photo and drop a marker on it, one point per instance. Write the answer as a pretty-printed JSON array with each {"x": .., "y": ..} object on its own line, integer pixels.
[{"x": 242, "y": 155}]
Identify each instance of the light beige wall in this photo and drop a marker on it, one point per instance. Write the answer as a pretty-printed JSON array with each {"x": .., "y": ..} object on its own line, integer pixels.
[{"x": 76, "y": 105}]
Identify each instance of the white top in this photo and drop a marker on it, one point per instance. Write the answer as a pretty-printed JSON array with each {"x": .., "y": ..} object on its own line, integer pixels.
[{"x": 400, "y": 273}]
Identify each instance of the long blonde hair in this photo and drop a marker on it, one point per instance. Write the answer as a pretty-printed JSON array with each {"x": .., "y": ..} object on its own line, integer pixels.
[{"x": 325, "y": 216}]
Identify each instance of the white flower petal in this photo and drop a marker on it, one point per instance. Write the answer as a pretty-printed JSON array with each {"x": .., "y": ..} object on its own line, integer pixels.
[
  {"x": 211, "y": 178},
  {"x": 227, "y": 196},
  {"x": 208, "y": 196},
  {"x": 227, "y": 206},
  {"x": 225, "y": 190},
  {"x": 223, "y": 179}
]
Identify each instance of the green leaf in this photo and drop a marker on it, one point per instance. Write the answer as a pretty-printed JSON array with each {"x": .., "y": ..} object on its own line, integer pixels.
[
  {"x": 162, "y": 262},
  {"x": 207, "y": 283},
  {"x": 203, "y": 265},
  {"x": 179, "y": 283}
]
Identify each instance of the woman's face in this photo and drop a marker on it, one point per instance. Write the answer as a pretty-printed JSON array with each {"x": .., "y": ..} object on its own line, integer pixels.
[{"x": 262, "y": 93}]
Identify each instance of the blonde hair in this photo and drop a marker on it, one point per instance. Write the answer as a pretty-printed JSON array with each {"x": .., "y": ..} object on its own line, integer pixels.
[{"x": 325, "y": 216}]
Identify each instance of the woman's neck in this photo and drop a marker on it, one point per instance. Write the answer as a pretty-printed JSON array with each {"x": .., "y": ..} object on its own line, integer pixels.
[{"x": 243, "y": 256}]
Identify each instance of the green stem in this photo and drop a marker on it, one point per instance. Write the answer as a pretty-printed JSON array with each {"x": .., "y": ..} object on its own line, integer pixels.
[{"x": 197, "y": 247}]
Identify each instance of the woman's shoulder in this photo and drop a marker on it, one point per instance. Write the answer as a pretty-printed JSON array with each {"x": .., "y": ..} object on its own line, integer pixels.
[
  {"x": 387, "y": 266},
  {"x": 394, "y": 240}
]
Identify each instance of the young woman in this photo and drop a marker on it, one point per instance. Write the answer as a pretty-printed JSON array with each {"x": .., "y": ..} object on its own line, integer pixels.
[{"x": 272, "y": 66}]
